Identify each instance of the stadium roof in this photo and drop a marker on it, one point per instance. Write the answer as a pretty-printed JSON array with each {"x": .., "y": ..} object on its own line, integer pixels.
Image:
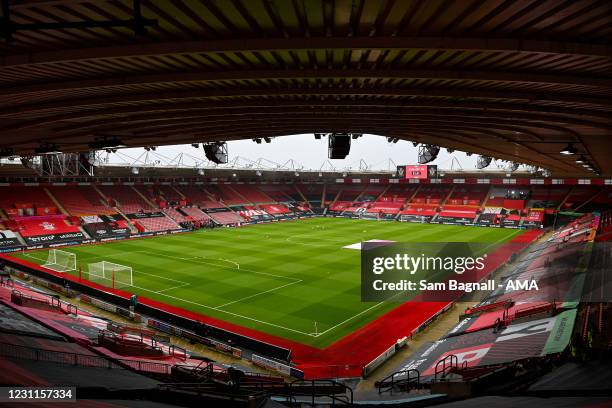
[{"x": 517, "y": 80}]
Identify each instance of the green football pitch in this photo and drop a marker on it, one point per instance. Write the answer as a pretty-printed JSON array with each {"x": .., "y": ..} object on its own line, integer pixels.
[{"x": 290, "y": 279}]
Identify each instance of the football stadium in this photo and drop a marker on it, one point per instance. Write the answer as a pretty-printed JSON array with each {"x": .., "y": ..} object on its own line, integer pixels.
[{"x": 306, "y": 203}]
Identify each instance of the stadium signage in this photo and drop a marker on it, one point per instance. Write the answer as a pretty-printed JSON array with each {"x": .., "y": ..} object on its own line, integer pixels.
[
  {"x": 377, "y": 362},
  {"x": 146, "y": 215},
  {"x": 108, "y": 232},
  {"x": 55, "y": 238},
  {"x": 417, "y": 172},
  {"x": 271, "y": 364}
]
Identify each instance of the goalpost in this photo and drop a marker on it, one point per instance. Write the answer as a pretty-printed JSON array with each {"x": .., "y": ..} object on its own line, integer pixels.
[
  {"x": 61, "y": 261},
  {"x": 110, "y": 274}
]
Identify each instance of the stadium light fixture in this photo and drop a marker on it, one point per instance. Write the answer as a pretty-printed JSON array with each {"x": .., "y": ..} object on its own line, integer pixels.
[
  {"x": 428, "y": 153},
  {"x": 258, "y": 173},
  {"x": 320, "y": 174},
  {"x": 546, "y": 173},
  {"x": 568, "y": 150},
  {"x": 483, "y": 162},
  {"x": 532, "y": 169},
  {"x": 339, "y": 145},
  {"x": 297, "y": 174},
  {"x": 216, "y": 152},
  {"x": 581, "y": 159},
  {"x": 234, "y": 175},
  {"x": 512, "y": 166},
  {"x": 201, "y": 172},
  {"x": 135, "y": 170}
]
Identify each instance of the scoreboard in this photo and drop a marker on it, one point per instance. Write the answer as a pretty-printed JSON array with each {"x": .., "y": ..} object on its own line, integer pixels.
[{"x": 419, "y": 171}]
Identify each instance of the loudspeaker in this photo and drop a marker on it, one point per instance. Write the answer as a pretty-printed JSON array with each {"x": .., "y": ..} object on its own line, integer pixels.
[
  {"x": 339, "y": 145},
  {"x": 216, "y": 152}
]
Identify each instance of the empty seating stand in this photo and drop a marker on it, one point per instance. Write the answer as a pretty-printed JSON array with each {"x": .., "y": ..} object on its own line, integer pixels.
[
  {"x": 199, "y": 196},
  {"x": 280, "y": 192},
  {"x": 275, "y": 209},
  {"x": 26, "y": 200},
  {"x": 157, "y": 224},
  {"x": 175, "y": 214},
  {"x": 80, "y": 201},
  {"x": 385, "y": 207},
  {"x": 253, "y": 194},
  {"x": 398, "y": 193},
  {"x": 227, "y": 194},
  {"x": 195, "y": 213},
  {"x": 128, "y": 200},
  {"x": 226, "y": 217}
]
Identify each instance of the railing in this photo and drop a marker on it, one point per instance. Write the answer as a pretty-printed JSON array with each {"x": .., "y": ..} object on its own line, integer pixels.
[
  {"x": 322, "y": 392},
  {"x": 5, "y": 280},
  {"x": 81, "y": 360},
  {"x": 448, "y": 363},
  {"x": 531, "y": 310},
  {"x": 407, "y": 379},
  {"x": 49, "y": 300},
  {"x": 177, "y": 351}
]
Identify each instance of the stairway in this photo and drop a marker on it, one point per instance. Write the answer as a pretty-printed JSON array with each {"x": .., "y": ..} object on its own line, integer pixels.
[{"x": 56, "y": 202}]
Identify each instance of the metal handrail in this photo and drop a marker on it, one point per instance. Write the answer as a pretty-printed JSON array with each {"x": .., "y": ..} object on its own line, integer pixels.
[
  {"x": 346, "y": 398},
  {"x": 82, "y": 360},
  {"x": 389, "y": 382},
  {"x": 454, "y": 362}
]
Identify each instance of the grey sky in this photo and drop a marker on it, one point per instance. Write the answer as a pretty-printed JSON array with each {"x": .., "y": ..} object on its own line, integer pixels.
[{"x": 310, "y": 153}]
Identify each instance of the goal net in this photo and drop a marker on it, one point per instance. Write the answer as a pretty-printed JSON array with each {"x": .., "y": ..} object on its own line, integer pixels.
[
  {"x": 60, "y": 261},
  {"x": 110, "y": 274}
]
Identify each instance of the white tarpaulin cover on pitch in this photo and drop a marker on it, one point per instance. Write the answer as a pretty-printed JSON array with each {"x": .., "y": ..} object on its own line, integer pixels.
[{"x": 357, "y": 245}]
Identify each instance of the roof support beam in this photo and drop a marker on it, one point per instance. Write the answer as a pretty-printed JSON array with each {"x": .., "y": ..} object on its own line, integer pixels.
[
  {"x": 442, "y": 43},
  {"x": 319, "y": 73},
  {"x": 178, "y": 97},
  {"x": 97, "y": 115}
]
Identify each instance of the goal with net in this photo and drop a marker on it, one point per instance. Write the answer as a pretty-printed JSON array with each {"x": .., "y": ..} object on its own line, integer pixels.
[
  {"x": 110, "y": 274},
  {"x": 60, "y": 261}
]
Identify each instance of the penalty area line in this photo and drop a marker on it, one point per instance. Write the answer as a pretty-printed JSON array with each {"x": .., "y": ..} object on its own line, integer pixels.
[
  {"x": 229, "y": 313},
  {"x": 257, "y": 294},
  {"x": 173, "y": 287}
]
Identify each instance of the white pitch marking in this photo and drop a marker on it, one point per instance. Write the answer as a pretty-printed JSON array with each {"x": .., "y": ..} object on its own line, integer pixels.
[
  {"x": 257, "y": 294},
  {"x": 295, "y": 280}
]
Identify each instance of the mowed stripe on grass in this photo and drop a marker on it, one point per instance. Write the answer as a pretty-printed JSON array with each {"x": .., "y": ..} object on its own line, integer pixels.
[{"x": 290, "y": 279}]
